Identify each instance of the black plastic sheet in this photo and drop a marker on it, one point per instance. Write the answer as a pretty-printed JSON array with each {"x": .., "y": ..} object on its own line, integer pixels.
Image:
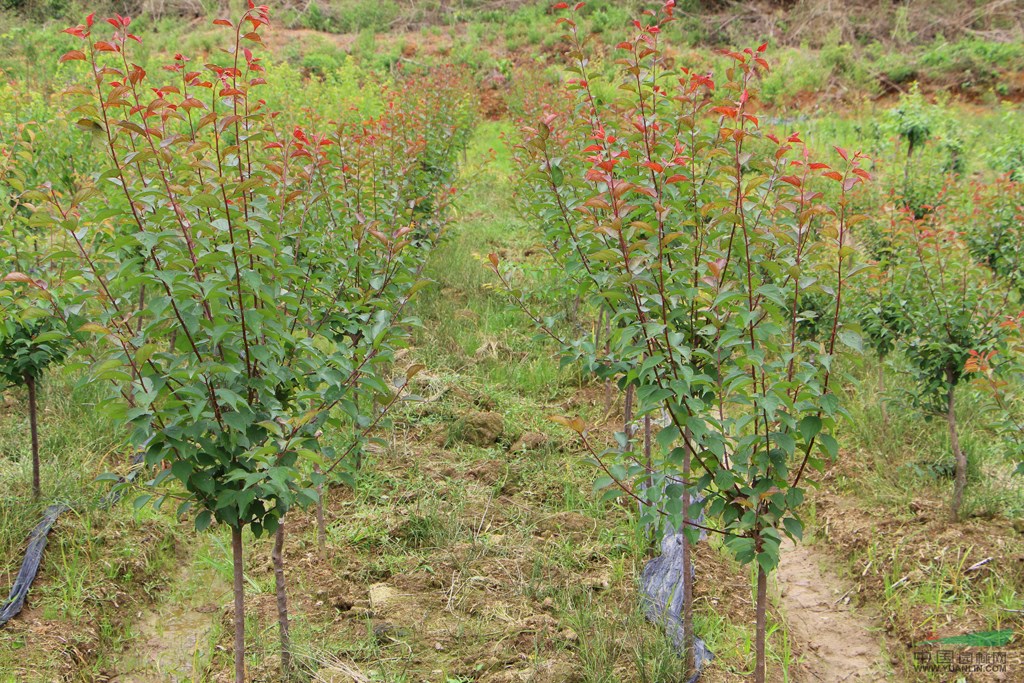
[
  {"x": 30, "y": 565},
  {"x": 37, "y": 543}
]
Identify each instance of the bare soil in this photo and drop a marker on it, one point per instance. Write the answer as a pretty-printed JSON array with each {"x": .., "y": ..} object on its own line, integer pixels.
[
  {"x": 173, "y": 642},
  {"x": 841, "y": 642},
  {"x": 920, "y": 547}
]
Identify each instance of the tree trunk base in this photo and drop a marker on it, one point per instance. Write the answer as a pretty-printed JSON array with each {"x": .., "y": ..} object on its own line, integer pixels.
[
  {"x": 236, "y": 553},
  {"x": 277, "y": 556},
  {"x": 30, "y": 382}
]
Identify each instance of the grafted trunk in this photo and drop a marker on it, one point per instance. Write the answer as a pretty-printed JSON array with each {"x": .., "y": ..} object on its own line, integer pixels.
[
  {"x": 761, "y": 625},
  {"x": 33, "y": 425},
  {"x": 628, "y": 415},
  {"x": 960, "y": 480},
  {"x": 141, "y": 308},
  {"x": 236, "y": 556},
  {"x": 606, "y": 320},
  {"x": 881, "y": 393},
  {"x": 321, "y": 525},
  {"x": 688, "y": 634},
  {"x": 906, "y": 171},
  {"x": 648, "y": 463},
  {"x": 277, "y": 556},
  {"x": 359, "y": 451}
]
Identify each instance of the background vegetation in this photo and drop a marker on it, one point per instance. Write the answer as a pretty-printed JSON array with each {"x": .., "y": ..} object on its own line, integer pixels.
[{"x": 464, "y": 540}]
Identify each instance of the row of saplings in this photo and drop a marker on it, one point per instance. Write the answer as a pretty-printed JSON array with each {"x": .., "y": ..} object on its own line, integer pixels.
[
  {"x": 239, "y": 282},
  {"x": 249, "y": 281},
  {"x": 723, "y": 261}
]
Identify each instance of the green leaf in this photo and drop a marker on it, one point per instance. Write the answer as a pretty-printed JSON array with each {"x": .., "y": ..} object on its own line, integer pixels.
[
  {"x": 809, "y": 427},
  {"x": 667, "y": 436},
  {"x": 203, "y": 520},
  {"x": 851, "y": 339},
  {"x": 557, "y": 176},
  {"x": 768, "y": 561},
  {"x": 830, "y": 445},
  {"x": 794, "y": 527},
  {"x": 181, "y": 470},
  {"x": 236, "y": 421},
  {"x": 979, "y": 639},
  {"x": 145, "y": 352},
  {"x": 206, "y": 201}
]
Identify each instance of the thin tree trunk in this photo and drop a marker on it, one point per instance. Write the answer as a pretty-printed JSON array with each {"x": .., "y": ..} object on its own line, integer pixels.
[
  {"x": 688, "y": 635},
  {"x": 321, "y": 525},
  {"x": 628, "y": 416},
  {"x": 33, "y": 425},
  {"x": 881, "y": 393},
  {"x": 282, "y": 603},
  {"x": 645, "y": 485},
  {"x": 236, "y": 553},
  {"x": 142, "y": 306},
  {"x": 597, "y": 346},
  {"x": 762, "y": 624},
  {"x": 960, "y": 482},
  {"x": 606, "y": 321},
  {"x": 648, "y": 463},
  {"x": 906, "y": 173},
  {"x": 359, "y": 451}
]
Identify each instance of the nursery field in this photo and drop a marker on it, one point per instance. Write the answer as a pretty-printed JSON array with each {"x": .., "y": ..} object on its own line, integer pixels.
[{"x": 512, "y": 341}]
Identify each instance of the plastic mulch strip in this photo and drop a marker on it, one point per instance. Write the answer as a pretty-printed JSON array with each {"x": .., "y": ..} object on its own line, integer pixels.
[
  {"x": 11, "y": 607},
  {"x": 661, "y": 583},
  {"x": 30, "y": 566}
]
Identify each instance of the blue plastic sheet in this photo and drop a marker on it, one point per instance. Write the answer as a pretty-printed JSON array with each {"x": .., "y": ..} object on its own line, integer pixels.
[{"x": 661, "y": 584}]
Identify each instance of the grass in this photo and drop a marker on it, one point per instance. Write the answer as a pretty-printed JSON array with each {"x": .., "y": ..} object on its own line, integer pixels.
[
  {"x": 485, "y": 546},
  {"x": 102, "y": 567},
  {"x": 501, "y": 561},
  {"x": 498, "y": 552},
  {"x": 882, "y": 511},
  {"x": 909, "y": 454}
]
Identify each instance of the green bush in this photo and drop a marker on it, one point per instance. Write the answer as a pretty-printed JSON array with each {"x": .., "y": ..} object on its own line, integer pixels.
[
  {"x": 1007, "y": 156},
  {"x": 353, "y": 16},
  {"x": 318, "y": 20},
  {"x": 320, "y": 64},
  {"x": 795, "y": 72},
  {"x": 974, "y": 61}
]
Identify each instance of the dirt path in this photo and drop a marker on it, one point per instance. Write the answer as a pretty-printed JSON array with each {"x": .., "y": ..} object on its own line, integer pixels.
[
  {"x": 839, "y": 643},
  {"x": 173, "y": 641}
]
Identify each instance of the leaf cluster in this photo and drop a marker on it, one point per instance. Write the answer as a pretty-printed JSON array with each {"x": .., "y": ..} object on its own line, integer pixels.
[{"x": 712, "y": 248}]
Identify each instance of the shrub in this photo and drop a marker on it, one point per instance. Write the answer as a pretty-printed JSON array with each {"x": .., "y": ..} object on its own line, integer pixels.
[
  {"x": 32, "y": 337},
  {"x": 951, "y": 309},
  {"x": 696, "y": 234},
  {"x": 248, "y": 276}
]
